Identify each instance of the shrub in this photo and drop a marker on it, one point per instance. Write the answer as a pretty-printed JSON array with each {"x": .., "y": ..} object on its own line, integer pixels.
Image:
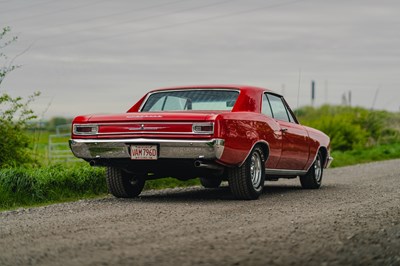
[
  {"x": 14, "y": 115},
  {"x": 352, "y": 127},
  {"x": 14, "y": 144}
]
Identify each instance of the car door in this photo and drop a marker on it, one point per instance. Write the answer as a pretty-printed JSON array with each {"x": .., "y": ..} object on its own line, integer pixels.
[
  {"x": 272, "y": 135},
  {"x": 295, "y": 144}
]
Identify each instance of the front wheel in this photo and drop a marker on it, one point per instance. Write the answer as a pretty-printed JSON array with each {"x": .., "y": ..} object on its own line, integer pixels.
[
  {"x": 123, "y": 184},
  {"x": 312, "y": 179},
  {"x": 247, "y": 181}
]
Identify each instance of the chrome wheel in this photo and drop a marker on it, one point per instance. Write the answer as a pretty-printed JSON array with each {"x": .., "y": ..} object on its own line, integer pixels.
[
  {"x": 247, "y": 181},
  {"x": 318, "y": 169},
  {"x": 312, "y": 179},
  {"x": 255, "y": 169}
]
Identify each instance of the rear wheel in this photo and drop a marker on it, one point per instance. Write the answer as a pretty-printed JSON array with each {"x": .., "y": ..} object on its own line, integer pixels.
[
  {"x": 210, "y": 182},
  {"x": 313, "y": 178},
  {"x": 123, "y": 184},
  {"x": 247, "y": 181}
]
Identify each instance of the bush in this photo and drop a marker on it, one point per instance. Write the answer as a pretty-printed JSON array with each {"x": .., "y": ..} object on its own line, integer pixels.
[
  {"x": 14, "y": 115},
  {"x": 352, "y": 127}
]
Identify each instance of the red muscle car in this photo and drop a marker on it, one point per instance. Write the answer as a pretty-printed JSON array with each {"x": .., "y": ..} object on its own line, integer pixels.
[{"x": 241, "y": 134}]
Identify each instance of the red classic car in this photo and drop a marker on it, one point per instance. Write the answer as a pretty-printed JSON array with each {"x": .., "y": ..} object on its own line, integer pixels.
[{"x": 241, "y": 134}]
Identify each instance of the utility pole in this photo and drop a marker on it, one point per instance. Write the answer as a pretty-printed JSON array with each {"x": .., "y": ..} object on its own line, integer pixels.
[
  {"x": 349, "y": 98},
  {"x": 326, "y": 91},
  {"x": 312, "y": 92},
  {"x": 375, "y": 97}
]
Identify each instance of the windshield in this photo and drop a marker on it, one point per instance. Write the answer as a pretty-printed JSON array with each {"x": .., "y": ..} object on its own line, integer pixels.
[{"x": 199, "y": 99}]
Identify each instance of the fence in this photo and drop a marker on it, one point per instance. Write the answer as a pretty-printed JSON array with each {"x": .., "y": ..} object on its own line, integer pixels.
[{"x": 58, "y": 147}]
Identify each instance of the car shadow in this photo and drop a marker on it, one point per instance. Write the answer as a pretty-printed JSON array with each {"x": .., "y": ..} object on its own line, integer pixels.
[{"x": 223, "y": 193}]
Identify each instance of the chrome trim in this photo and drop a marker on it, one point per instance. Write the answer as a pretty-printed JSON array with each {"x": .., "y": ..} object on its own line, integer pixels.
[
  {"x": 284, "y": 172},
  {"x": 329, "y": 161},
  {"x": 145, "y": 130},
  {"x": 183, "y": 89},
  {"x": 248, "y": 154},
  {"x": 143, "y": 122},
  {"x": 203, "y": 124},
  {"x": 153, "y": 132},
  {"x": 119, "y": 148},
  {"x": 85, "y": 133}
]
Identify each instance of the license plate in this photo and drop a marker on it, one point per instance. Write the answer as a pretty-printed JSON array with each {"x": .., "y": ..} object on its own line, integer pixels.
[{"x": 144, "y": 152}]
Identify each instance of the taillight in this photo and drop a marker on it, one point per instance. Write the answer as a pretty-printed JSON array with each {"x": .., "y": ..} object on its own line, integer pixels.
[
  {"x": 203, "y": 128},
  {"x": 86, "y": 129}
]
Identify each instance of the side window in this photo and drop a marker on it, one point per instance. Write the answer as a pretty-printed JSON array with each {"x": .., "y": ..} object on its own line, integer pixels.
[
  {"x": 278, "y": 108},
  {"x": 291, "y": 119},
  {"x": 266, "y": 108}
]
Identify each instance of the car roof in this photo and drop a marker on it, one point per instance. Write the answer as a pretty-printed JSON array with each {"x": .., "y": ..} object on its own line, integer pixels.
[{"x": 216, "y": 87}]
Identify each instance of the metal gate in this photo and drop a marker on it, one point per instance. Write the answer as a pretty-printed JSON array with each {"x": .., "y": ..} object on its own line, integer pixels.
[{"x": 58, "y": 147}]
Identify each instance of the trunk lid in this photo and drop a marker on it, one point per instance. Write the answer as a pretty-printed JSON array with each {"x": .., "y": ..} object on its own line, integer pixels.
[{"x": 153, "y": 125}]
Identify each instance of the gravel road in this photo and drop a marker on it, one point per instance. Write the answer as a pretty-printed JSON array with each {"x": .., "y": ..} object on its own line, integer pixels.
[{"x": 354, "y": 219}]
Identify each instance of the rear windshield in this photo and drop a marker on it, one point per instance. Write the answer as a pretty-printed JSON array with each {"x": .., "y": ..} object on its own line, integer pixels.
[{"x": 183, "y": 100}]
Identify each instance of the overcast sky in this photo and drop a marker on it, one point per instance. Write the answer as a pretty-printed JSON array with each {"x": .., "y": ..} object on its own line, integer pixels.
[{"x": 100, "y": 56}]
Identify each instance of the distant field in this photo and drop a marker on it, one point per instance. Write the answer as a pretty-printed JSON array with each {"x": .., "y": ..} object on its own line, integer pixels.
[{"x": 41, "y": 142}]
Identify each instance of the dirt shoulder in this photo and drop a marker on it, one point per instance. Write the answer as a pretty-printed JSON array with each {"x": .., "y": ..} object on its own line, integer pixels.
[{"x": 353, "y": 219}]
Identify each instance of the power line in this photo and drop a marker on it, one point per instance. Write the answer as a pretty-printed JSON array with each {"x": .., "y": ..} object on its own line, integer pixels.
[
  {"x": 232, "y": 14},
  {"x": 57, "y": 11},
  {"x": 117, "y": 14},
  {"x": 148, "y": 17},
  {"x": 27, "y": 7}
]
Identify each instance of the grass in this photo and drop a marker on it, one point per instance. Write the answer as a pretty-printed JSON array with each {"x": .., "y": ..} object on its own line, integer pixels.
[
  {"x": 365, "y": 155},
  {"x": 26, "y": 187},
  {"x": 56, "y": 183}
]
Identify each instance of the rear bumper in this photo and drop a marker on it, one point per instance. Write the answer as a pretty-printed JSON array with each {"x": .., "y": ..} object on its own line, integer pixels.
[{"x": 170, "y": 149}]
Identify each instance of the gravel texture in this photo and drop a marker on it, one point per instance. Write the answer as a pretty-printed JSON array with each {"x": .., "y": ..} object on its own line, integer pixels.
[{"x": 354, "y": 219}]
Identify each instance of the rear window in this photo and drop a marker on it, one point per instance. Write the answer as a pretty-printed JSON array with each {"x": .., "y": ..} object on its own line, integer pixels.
[{"x": 186, "y": 100}]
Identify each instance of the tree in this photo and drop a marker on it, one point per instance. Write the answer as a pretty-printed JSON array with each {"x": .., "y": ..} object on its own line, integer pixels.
[{"x": 15, "y": 114}]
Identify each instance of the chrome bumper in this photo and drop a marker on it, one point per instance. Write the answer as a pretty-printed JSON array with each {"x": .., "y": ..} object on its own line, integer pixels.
[
  {"x": 172, "y": 149},
  {"x": 329, "y": 161}
]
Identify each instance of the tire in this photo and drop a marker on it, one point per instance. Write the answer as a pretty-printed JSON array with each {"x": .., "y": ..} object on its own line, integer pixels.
[
  {"x": 123, "y": 184},
  {"x": 313, "y": 178},
  {"x": 247, "y": 181},
  {"x": 212, "y": 182}
]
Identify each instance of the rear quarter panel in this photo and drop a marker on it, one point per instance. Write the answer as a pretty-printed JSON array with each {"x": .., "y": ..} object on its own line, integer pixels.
[{"x": 242, "y": 130}]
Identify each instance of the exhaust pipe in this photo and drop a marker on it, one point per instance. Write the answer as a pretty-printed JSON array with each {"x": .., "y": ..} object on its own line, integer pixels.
[{"x": 200, "y": 164}]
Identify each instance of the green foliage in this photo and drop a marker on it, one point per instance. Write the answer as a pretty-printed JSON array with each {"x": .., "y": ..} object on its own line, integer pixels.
[
  {"x": 352, "y": 127},
  {"x": 27, "y": 186},
  {"x": 365, "y": 155},
  {"x": 7, "y": 66},
  {"x": 15, "y": 114},
  {"x": 57, "y": 121},
  {"x": 170, "y": 183}
]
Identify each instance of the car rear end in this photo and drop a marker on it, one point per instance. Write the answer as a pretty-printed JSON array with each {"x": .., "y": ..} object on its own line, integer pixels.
[{"x": 172, "y": 130}]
